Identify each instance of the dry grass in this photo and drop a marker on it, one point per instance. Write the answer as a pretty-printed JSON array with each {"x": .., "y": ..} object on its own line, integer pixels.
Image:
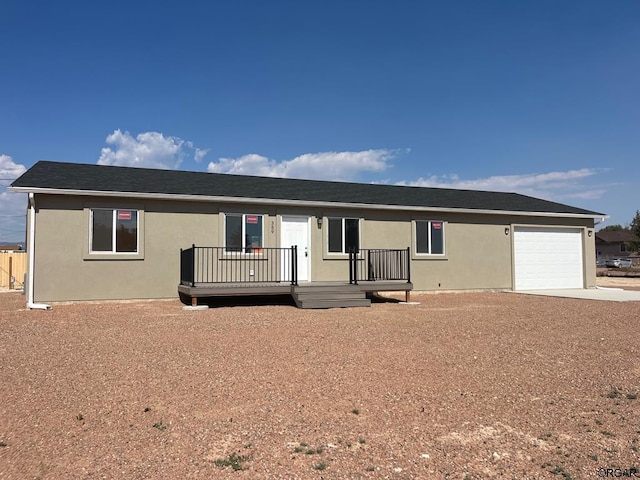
[{"x": 475, "y": 385}]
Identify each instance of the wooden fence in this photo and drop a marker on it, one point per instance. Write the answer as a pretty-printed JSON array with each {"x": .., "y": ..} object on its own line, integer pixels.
[{"x": 13, "y": 266}]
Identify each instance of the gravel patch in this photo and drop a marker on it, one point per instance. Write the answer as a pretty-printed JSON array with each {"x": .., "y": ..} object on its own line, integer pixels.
[{"x": 466, "y": 385}]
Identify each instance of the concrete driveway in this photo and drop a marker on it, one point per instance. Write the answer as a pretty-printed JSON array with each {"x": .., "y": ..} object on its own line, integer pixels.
[{"x": 598, "y": 293}]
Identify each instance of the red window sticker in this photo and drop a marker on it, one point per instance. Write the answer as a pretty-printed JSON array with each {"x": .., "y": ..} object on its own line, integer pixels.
[
  {"x": 252, "y": 218},
  {"x": 437, "y": 225},
  {"x": 124, "y": 214}
]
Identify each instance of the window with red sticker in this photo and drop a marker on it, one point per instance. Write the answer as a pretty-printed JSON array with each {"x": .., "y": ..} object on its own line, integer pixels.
[
  {"x": 429, "y": 237},
  {"x": 113, "y": 231},
  {"x": 243, "y": 233}
]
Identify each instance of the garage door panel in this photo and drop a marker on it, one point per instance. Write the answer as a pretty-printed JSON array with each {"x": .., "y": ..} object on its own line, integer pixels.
[{"x": 547, "y": 258}]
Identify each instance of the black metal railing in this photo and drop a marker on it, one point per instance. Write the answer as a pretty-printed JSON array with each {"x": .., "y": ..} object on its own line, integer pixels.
[
  {"x": 202, "y": 265},
  {"x": 377, "y": 264}
]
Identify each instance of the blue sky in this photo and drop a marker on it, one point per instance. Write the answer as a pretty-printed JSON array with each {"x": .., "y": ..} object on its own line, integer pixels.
[{"x": 538, "y": 97}]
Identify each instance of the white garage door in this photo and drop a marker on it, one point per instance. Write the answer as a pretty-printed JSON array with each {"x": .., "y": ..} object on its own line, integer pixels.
[{"x": 547, "y": 258}]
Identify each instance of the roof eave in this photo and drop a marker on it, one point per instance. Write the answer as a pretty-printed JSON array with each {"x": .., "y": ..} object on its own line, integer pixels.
[{"x": 310, "y": 203}]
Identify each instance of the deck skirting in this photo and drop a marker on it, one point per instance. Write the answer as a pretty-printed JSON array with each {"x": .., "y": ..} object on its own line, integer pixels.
[{"x": 306, "y": 295}]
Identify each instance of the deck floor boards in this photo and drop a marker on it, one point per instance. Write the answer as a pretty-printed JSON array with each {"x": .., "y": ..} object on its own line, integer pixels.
[{"x": 229, "y": 289}]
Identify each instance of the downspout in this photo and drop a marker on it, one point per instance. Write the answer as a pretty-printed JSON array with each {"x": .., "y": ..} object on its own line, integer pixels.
[{"x": 32, "y": 245}]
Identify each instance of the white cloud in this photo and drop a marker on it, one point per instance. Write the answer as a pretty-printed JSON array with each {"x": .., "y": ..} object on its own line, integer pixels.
[
  {"x": 561, "y": 186},
  {"x": 10, "y": 169},
  {"x": 570, "y": 184},
  {"x": 148, "y": 150},
  {"x": 200, "y": 153},
  {"x": 12, "y": 205},
  {"x": 318, "y": 166}
]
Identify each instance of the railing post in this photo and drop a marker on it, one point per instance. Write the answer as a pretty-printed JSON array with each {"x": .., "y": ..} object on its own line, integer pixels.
[
  {"x": 350, "y": 268},
  {"x": 353, "y": 265},
  {"x": 294, "y": 265},
  {"x": 369, "y": 275},
  {"x": 193, "y": 264},
  {"x": 408, "y": 264}
]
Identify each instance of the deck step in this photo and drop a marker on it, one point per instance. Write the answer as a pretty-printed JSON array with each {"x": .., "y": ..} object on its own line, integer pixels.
[
  {"x": 329, "y": 296},
  {"x": 342, "y": 303},
  {"x": 333, "y": 295}
]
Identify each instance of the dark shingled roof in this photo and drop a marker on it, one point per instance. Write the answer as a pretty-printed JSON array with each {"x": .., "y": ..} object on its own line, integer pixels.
[
  {"x": 616, "y": 236},
  {"x": 97, "y": 178}
]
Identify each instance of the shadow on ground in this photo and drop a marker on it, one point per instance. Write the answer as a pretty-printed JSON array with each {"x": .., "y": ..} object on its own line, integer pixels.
[
  {"x": 376, "y": 298},
  {"x": 242, "y": 301}
]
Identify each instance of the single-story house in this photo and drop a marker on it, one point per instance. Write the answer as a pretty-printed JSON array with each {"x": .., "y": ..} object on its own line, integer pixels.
[
  {"x": 10, "y": 247},
  {"x": 613, "y": 244},
  {"x": 104, "y": 232}
]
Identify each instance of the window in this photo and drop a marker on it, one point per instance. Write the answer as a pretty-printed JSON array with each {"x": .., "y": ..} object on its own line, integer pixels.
[
  {"x": 114, "y": 231},
  {"x": 623, "y": 248},
  {"x": 430, "y": 237},
  {"x": 243, "y": 232},
  {"x": 344, "y": 235}
]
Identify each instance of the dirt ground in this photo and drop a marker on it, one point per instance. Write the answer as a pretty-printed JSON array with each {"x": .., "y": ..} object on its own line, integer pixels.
[
  {"x": 626, "y": 283},
  {"x": 460, "y": 386}
]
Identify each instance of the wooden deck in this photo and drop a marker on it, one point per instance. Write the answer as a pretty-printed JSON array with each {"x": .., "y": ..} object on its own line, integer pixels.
[
  {"x": 306, "y": 295},
  {"x": 217, "y": 272}
]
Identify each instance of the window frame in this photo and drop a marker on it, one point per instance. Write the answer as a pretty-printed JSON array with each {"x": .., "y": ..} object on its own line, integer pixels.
[
  {"x": 243, "y": 249},
  {"x": 343, "y": 222},
  {"x": 430, "y": 253},
  {"x": 87, "y": 251},
  {"x": 114, "y": 232}
]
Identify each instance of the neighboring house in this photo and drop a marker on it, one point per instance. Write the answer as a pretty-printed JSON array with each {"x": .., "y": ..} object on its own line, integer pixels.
[
  {"x": 10, "y": 247},
  {"x": 613, "y": 244},
  {"x": 101, "y": 232}
]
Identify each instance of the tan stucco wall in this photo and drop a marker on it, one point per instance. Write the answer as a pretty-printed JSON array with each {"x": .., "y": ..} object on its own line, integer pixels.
[
  {"x": 478, "y": 253},
  {"x": 63, "y": 273},
  {"x": 589, "y": 248}
]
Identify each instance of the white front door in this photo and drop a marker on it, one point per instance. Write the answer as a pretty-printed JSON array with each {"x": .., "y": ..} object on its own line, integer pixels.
[{"x": 295, "y": 231}]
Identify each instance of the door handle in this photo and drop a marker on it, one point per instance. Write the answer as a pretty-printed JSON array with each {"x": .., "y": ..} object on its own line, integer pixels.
[{"x": 306, "y": 252}]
